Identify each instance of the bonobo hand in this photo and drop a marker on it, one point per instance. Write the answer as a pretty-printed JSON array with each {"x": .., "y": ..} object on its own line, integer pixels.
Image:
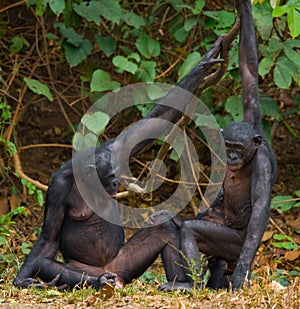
[
  {"x": 165, "y": 215},
  {"x": 107, "y": 279},
  {"x": 34, "y": 283},
  {"x": 240, "y": 274}
]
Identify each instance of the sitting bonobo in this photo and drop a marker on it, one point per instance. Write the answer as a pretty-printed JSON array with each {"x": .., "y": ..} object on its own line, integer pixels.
[
  {"x": 229, "y": 232},
  {"x": 93, "y": 249}
]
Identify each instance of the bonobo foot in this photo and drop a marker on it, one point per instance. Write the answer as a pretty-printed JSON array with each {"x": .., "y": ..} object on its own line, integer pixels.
[
  {"x": 184, "y": 287},
  {"x": 34, "y": 283},
  {"x": 107, "y": 279},
  {"x": 165, "y": 215}
]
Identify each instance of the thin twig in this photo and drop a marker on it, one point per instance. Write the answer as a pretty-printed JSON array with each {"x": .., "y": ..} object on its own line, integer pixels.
[
  {"x": 12, "y": 6},
  {"x": 44, "y": 145}
]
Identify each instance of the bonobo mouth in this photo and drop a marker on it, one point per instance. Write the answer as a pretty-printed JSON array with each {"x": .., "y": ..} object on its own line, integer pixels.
[
  {"x": 234, "y": 168},
  {"x": 112, "y": 194}
]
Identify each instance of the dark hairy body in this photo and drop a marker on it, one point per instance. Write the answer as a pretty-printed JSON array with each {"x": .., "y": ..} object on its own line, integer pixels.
[
  {"x": 93, "y": 249},
  {"x": 229, "y": 232}
]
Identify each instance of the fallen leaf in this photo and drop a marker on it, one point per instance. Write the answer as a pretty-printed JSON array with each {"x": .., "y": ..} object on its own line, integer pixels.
[
  {"x": 106, "y": 292},
  {"x": 4, "y": 207},
  {"x": 292, "y": 255},
  {"x": 267, "y": 235},
  {"x": 14, "y": 201}
]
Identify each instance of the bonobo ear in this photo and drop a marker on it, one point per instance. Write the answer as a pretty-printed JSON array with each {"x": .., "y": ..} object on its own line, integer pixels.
[
  {"x": 257, "y": 140},
  {"x": 88, "y": 171}
]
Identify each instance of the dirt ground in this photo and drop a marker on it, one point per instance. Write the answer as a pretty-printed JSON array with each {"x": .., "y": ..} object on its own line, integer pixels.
[{"x": 43, "y": 135}]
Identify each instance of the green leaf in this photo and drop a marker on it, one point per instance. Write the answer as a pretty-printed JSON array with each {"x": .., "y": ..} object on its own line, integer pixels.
[
  {"x": 292, "y": 43},
  {"x": 178, "y": 147},
  {"x": 107, "y": 44},
  {"x": 199, "y": 5},
  {"x": 283, "y": 72},
  {"x": 26, "y": 248},
  {"x": 181, "y": 35},
  {"x": 234, "y": 106},
  {"x": 91, "y": 10},
  {"x": 56, "y": 6},
  {"x": 134, "y": 56},
  {"x": 38, "y": 87},
  {"x": 124, "y": 64},
  {"x": 40, "y": 197},
  {"x": 206, "y": 121},
  {"x": 189, "y": 63},
  {"x": 262, "y": 14},
  {"x": 72, "y": 37},
  {"x": 110, "y": 10},
  {"x": 265, "y": 66},
  {"x": 269, "y": 108},
  {"x": 190, "y": 24},
  {"x": 280, "y": 10},
  {"x": 41, "y": 6},
  {"x": 95, "y": 122},
  {"x": 133, "y": 20},
  {"x": 146, "y": 71},
  {"x": 154, "y": 91},
  {"x": 214, "y": 23},
  {"x": 294, "y": 22},
  {"x": 282, "y": 203},
  {"x": 74, "y": 54},
  {"x": 292, "y": 55},
  {"x": 285, "y": 245},
  {"x": 17, "y": 44},
  {"x": 147, "y": 46},
  {"x": 293, "y": 16},
  {"x": 101, "y": 81},
  {"x": 81, "y": 142}
]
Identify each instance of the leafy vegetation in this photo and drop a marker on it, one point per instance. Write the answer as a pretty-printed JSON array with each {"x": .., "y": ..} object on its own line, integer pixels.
[{"x": 59, "y": 53}]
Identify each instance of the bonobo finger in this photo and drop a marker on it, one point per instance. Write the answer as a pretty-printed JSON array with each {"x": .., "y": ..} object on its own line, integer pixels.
[
  {"x": 165, "y": 215},
  {"x": 184, "y": 287},
  {"x": 54, "y": 281},
  {"x": 26, "y": 282},
  {"x": 161, "y": 216}
]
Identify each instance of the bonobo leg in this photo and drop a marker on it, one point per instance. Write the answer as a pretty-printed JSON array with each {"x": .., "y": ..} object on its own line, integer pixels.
[
  {"x": 71, "y": 275},
  {"x": 218, "y": 274},
  {"x": 142, "y": 249},
  {"x": 210, "y": 238}
]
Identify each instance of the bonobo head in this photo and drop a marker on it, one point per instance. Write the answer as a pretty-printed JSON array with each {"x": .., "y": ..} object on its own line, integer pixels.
[
  {"x": 94, "y": 166},
  {"x": 241, "y": 142}
]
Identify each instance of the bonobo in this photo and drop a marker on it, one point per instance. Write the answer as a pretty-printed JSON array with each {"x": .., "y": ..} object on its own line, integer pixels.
[
  {"x": 93, "y": 248},
  {"x": 229, "y": 232}
]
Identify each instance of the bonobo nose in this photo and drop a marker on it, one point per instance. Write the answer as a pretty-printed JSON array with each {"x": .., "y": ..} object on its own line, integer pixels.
[
  {"x": 114, "y": 183},
  {"x": 232, "y": 156}
]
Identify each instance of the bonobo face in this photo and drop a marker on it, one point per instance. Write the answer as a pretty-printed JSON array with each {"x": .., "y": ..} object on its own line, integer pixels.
[
  {"x": 97, "y": 167},
  {"x": 109, "y": 181},
  {"x": 105, "y": 172},
  {"x": 241, "y": 144}
]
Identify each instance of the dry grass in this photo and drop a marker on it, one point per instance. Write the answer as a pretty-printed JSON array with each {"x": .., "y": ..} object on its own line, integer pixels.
[{"x": 267, "y": 294}]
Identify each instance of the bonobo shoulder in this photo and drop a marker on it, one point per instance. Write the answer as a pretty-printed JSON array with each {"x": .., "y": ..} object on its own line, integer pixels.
[{"x": 62, "y": 176}]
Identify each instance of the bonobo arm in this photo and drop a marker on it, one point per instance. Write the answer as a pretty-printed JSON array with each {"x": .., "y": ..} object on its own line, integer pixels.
[
  {"x": 248, "y": 59},
  {"x": 261, "y": 188},
  {"x": 47, "y": 244},
  {"x": 170, "y": 107}
]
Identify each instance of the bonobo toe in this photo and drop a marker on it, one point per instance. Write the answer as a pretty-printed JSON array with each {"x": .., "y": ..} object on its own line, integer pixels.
[
  {"x": 107, "y": 279},
  {"x": 184, "y": 287}
]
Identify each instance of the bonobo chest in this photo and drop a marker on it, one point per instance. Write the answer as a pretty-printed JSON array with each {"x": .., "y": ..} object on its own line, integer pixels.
[{"x": 237, "y": 197}]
